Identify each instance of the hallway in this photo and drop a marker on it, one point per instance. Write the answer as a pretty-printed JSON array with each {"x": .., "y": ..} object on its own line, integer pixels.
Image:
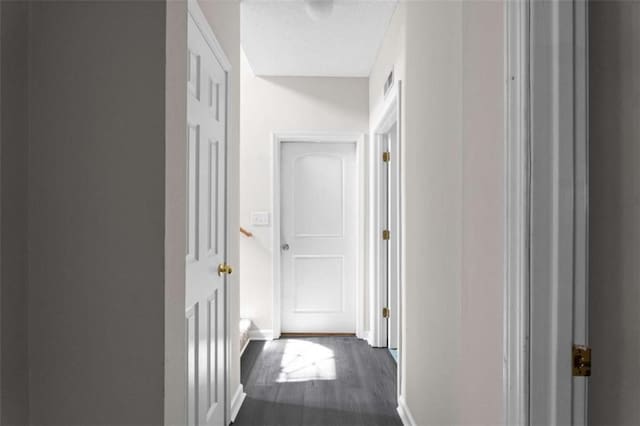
[{"x": 318, "y": 381}]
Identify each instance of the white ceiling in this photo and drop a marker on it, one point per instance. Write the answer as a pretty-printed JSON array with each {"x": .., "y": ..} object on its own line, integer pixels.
[{"x": 280, "y": 38}]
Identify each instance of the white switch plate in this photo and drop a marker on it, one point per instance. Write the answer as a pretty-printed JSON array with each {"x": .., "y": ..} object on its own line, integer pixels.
[{"x": 260, "y": 218}]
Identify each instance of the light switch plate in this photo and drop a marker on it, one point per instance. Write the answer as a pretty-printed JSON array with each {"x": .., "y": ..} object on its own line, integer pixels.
[{"x": 260, "y": 218}]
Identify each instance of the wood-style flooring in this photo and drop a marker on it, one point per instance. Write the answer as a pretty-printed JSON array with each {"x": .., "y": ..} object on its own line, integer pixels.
[{"x": 328, "y": 381}]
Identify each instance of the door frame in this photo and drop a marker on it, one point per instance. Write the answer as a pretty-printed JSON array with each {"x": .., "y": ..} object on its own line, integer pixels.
[
  {"x": 278, "y": 139},
  {"x": 546, "y": 171},
  {"x": 194, "y": 10},
  {"x": 390, "y": 114}
]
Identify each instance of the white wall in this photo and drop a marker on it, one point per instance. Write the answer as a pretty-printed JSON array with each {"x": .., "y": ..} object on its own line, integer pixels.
[
  {"x": 483, "y": 208},
  {"x": 449, "y": 56},
  {"x": 278, "y": 104},
  {"x": 433, "y": 184}
]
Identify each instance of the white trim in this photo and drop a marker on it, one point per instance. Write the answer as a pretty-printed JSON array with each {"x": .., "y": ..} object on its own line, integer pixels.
[
  {"x": 236, "y": 402},
  {"x": 366, "y": 336},
  {"x": 581, "y": 203},
  {"x": 204, "y": 27},
  {"x": 389, "y": 113},
  {"x": 244, "y": 347},
  {"x": 516, "y": 186},
  {"x": 255, "y": 334},
  {"x": 386, "y": 116},
  {"x": 405, "y": 413},
  {"x": 314, "y": 137},
  {"x": 555, "y": 63},
  {"x": 545, "y": 246}
]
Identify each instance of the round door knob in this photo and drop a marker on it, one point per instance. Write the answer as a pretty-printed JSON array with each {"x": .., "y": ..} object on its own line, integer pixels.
[
  {"x": 285, "y": 247},
  {"x": 223, "y": 268}
]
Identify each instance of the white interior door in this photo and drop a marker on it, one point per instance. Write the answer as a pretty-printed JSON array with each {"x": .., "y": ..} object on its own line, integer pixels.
[
  {"x": 558, "y": 228},
  {"x": 318, "y": 227},
  {"x": 205, "y": 292}
]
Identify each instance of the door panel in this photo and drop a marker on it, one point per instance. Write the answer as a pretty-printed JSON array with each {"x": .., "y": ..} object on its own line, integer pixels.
[
  {"x": 318, "y": 217},
  {"x": 205, "y": 293},
  {"x": 318, "y": 284},
  {"x": 316, "y": 176}
]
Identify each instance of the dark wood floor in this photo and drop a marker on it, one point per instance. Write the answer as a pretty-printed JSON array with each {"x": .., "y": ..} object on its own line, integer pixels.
[{"x": 327, "y": 381}]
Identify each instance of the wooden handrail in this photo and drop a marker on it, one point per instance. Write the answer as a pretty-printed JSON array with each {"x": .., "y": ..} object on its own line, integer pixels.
[{"x": 245, "y": 232}]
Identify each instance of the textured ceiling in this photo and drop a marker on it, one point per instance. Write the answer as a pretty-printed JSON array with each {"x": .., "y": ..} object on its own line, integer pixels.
[{"x": 282, "y": 38}]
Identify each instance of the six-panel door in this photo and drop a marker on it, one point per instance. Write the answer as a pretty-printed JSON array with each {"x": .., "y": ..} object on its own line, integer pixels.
[{"x": 205, "y": 296}]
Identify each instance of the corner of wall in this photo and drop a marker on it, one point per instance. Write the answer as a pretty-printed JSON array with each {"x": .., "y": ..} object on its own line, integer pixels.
[{"x": 175, "y": 172}]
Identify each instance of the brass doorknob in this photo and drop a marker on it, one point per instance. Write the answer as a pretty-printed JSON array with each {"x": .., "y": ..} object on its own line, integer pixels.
[{"x": 223, "y": 268}]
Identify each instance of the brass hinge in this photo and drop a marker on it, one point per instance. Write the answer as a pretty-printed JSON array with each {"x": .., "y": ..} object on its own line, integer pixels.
[
  {"x": 581, "y": 361},
  {"x": 385, "y": 312},
  {"x": 386, "y": 156},
  {"x": 386, "y": 235}
]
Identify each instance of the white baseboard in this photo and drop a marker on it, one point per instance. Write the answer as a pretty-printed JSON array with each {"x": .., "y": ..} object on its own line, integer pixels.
[
  {"x": 255, "y": 334},
  {"x": 245, "y": 346},
  {"x": 405, "y": 414},
  {"x": 236, "y": 402},
  {"x": 365, "y": 335}
]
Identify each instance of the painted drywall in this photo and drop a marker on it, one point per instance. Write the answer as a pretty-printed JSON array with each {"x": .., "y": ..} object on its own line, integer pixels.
[
  {"x": 175, "y": 381},
  {"x": 433, "y": 206},
  {"x": 483, "y": 213},
  {"x": 97, "y": 212},
  {"x": 449, "y": 56},
  {"x": 282, "y": 104},
  {"x": 13, "y": 214},
  {"x": 224, "y": 18},
  {"x": 614, "y": 209},
  {"x": 391, "y": 57}
]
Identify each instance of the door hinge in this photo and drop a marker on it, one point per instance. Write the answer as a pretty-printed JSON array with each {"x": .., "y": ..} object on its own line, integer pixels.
[
  {"x": 386, "y": 235},
  {"x": 386, "y": 156},
  {"x": 386, "y": 312},
  {"x": 581, "y": 361}
]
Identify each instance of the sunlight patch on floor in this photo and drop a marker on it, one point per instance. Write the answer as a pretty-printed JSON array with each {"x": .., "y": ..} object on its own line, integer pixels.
[{"x": 304, "y": 361}]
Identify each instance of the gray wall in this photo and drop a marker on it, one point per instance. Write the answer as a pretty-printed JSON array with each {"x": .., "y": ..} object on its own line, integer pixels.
[
  {"x": 96, "y": 212},
  {"x": 13, "y": 223},
  {"x": 615, "y": 211}
]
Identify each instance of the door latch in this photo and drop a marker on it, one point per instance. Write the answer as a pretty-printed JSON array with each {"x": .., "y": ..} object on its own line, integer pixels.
[
  {"x": 581, "y": 361},
  {"x": 385, "y": 312}
]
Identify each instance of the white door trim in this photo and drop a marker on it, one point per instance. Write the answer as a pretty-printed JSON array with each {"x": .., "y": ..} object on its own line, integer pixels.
[
  {"x": 546, "y": 210},
  {"x": 194, "y": 10},
  {"x": 517, "y": 201},
  {"x": 203, "y": 25},
  {"x": 314, "y": 137},
  {"x": 390, "y": 113}
]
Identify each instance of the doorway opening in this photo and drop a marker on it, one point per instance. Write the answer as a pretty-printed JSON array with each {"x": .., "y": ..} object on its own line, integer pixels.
[{"x": 386, "y": 168}]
